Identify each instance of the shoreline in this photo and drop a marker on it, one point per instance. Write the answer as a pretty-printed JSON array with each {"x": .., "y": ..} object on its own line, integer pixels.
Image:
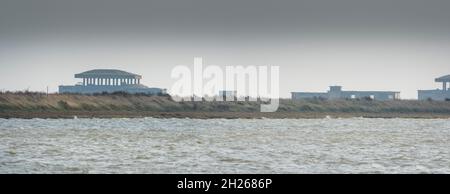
[
  {"x": 212, "y": 115},
  {"x": 37, "y": 105}
]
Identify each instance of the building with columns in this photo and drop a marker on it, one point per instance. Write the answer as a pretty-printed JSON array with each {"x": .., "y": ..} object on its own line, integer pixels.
[
  {"x": 440, "y": 95},
  {"x": 109, "y": 81}
]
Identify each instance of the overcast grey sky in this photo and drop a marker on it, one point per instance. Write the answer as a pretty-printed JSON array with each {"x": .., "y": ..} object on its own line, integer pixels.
[{"x": 363, "y": 45}]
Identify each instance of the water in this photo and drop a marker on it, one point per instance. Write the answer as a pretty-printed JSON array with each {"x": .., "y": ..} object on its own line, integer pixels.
[{"x": 152, "y": 145}]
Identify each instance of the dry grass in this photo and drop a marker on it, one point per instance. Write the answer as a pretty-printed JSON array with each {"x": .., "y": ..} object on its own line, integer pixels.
[{"x": 113, "y": 104}]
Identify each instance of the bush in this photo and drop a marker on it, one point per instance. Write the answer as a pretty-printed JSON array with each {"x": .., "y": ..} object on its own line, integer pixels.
[{"x": 63, "y": 105}]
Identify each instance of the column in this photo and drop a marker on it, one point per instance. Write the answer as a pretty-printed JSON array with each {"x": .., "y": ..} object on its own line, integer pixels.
[
  {"x": 139, "y": 81},
  {"x": 444, "y": 86}
]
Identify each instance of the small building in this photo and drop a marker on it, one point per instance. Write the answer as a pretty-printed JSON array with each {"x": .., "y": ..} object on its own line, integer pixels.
[
  {"x": 228, "y": 95},
  {"x": 109, "y": 81},
  {"x": 439, "y": 95},
  {"x": 336, "y": 92}
]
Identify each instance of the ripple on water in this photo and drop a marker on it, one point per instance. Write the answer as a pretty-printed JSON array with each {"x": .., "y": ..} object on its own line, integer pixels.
[{"x": 150, "y": 145}]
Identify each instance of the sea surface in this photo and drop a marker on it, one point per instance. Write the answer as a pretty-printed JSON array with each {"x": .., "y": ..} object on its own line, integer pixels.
[{"x": 150, "y": 145}]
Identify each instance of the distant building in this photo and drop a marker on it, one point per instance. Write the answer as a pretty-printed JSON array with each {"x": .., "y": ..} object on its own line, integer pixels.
[
  {"x": 228, "y": 94},
  {"x": 336, "y": 92},
  {"x": 109, "y": 81},
  {"x": 437, "y": 94}
]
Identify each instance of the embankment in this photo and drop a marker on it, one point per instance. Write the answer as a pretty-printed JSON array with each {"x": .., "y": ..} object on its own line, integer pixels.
[{"x": 38, "y": 105}]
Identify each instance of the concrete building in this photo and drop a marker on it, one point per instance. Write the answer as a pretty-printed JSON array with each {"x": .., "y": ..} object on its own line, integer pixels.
[
  {"x": 109, "y": 81},
  {"x": 336, "y": 92},
  {"x": 228, "y": 94},
  {"x": 437, "y": 94}
]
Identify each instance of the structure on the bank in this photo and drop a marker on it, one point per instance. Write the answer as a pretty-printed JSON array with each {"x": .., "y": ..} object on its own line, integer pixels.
[
  {"x": 229, "y": 94},
  {"x": 336, "y": 92},
  {"x": 437, "y": 94},
  {"x": 109, "y": 81}
]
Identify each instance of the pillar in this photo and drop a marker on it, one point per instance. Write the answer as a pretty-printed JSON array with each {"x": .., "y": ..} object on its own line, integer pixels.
[
  {"x": 139, "y": 81},
  {"x": 444, "y": 86}
]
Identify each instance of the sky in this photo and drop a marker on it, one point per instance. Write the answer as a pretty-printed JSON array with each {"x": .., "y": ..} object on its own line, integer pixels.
[{"x": 395, "y": 45}]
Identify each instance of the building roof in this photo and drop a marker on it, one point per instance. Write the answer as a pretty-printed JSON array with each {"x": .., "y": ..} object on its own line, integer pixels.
[
  {"x": 107, "y": 73},
  {"x": 443, "y": 79}
]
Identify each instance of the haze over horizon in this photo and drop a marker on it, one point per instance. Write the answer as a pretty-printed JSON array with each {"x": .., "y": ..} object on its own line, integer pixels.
[{"x": 397, "y": 45}]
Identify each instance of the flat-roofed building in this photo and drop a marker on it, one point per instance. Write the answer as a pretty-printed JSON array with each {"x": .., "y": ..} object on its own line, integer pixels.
[
  {"x": 437, "y": 94},
  {"x": 336, "y": 92}
]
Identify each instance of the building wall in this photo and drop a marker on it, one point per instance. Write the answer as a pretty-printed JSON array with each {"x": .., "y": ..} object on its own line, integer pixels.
[
  {"x": 376, "y": 95},
  {"x": 91, "y": 89},
  {"x": 336, "y": 93},
  {"x": 439, "y": 95},
  {"x": 305, "y": 95}
]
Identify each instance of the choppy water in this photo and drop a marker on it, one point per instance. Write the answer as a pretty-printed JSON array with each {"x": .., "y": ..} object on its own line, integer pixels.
[{"x": 152, "y": 145}]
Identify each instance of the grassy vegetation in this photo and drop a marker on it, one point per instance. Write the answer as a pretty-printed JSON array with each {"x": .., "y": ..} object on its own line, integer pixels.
[{"x": 122, "y": 102}]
